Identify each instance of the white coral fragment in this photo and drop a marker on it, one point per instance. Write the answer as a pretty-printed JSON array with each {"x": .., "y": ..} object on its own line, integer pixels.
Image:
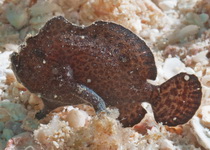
[
  {"x": 167, "y": 4},
  {"x": 77, "y": 118},
  {"x": 186, "y": 4},
  {"x": 167, "y": 145},
  {"x": 4, "y": 65},
  {"x": 206, "y": 80},
  {"x": 173, "y": 66},
  {"x": 205, "y": 116},
  {"x": 55, "y": 130},
  {"x": 201, "y": 57},
  {"x": 201, "y": 133}
]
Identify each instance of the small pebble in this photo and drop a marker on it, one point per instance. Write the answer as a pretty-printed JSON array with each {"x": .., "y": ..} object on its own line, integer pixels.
[{"x": 7, "y": 134}]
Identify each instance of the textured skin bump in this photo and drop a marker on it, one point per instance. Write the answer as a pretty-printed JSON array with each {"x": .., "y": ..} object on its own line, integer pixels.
[{"x": 68, "y": 64}]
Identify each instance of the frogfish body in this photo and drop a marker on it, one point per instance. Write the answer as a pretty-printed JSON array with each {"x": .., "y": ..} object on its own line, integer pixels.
[{"x": 103, "y": 64}]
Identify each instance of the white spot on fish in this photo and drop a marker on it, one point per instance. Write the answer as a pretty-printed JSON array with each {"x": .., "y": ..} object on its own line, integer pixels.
[
  {"x": 186, "y": 77},
  {"x": 88, "y": 80},
  {"x": 82, "y": 37}
]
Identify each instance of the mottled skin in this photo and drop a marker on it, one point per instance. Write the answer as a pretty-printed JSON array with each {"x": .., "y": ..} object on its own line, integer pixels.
[{"x": 104, "y": 62}]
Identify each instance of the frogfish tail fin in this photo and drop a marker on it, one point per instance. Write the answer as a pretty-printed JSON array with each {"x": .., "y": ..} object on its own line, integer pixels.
[{"x": 178, "y": 100}]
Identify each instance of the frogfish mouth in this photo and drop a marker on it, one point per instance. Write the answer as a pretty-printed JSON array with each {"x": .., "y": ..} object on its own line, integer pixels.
[{"x": 105, "y": 65}]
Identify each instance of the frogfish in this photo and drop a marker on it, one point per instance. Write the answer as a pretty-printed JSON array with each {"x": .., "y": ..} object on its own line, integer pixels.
[{"x": 104, "y": 65}]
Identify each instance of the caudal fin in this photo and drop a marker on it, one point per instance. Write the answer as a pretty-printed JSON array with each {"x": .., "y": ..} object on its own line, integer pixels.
[{"x": 179, "y": 99}]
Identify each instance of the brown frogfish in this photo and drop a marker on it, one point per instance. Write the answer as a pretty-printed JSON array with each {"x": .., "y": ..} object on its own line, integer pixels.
[{"x": 104, "y": 65}]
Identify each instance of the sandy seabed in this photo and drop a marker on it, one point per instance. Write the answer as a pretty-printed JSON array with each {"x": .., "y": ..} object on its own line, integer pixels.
[{"x": 177, "y": 31}]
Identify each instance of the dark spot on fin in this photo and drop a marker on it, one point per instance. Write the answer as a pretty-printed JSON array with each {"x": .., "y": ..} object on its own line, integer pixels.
[{"x": 179, "y": 99}]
